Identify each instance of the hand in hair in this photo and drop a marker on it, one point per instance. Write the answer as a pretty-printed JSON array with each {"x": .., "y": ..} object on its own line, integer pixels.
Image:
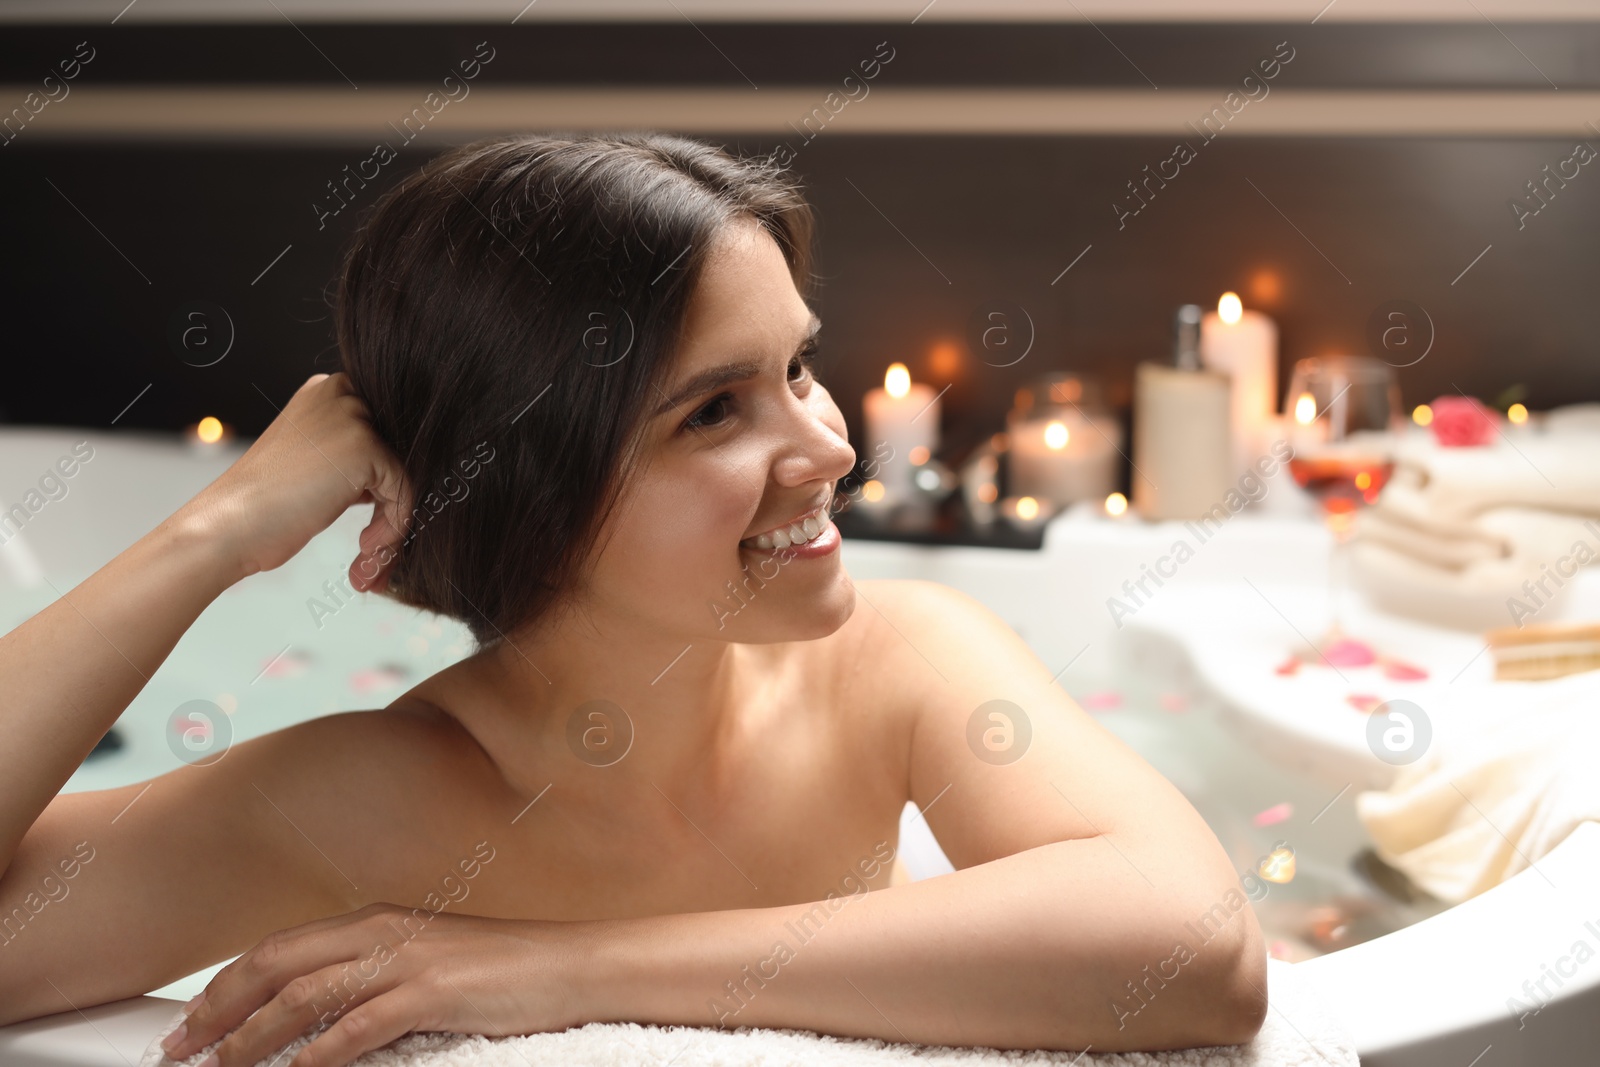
[{"x": 316, "y": 459}]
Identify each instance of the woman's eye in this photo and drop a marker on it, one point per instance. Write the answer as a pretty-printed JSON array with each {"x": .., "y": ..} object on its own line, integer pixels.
[
  {"x": 699, "y": 422},
  {"x": 714, "y": 412},
  {"x": 805, "y": 359}
]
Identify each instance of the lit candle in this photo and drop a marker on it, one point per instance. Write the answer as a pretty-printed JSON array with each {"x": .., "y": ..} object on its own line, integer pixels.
[
  {"x": 1306, "y": 430},
  {"x": 207, "y": 435},
  {"x": 1243, "y": 344},
  {"x": 905, "y": 414},
  {"x": 1025, "y": 512},
  {"x": 1065, "y": 458}
]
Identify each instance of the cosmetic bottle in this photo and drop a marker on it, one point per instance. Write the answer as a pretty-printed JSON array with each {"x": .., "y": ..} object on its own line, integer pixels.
[{"x": 1182, "y": 450}]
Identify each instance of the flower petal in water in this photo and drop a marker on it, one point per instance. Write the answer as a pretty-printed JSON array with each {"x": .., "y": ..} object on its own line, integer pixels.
[
  {"x": 1348, "y": 652},
  {"x": 1275, "y": 814}
]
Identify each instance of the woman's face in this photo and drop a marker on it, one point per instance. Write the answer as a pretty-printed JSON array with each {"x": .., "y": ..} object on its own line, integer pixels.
[{"x": 727, "y": 461}]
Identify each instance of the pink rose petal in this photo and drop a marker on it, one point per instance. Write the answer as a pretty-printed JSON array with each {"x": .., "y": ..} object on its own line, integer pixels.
[
  {"x": 1363, "y": 702},
  {"x": 1103, "y": 700},
  {"x": 1403, "y": 672},
  {"x": 1275, "y": 814},
  {"x": 1288, "y": 667},
  {"x": 1174, "y": 702},
  {"x": 383, "y": 677},
  {"x": 1348, "y": 652}
]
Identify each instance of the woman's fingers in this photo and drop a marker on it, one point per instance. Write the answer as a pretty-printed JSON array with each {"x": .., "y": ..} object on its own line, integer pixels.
[
  {"x": 313, "y": 1000},
  {"x": 366, "y": 1026},
  {"x": 264, "y": 972},
  {"x": 382, "y": 539}
]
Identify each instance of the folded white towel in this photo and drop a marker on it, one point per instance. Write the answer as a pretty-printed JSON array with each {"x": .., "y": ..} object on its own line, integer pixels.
[
  {"x": 1457, "y": 531},
  {"x": 1505, "y": 785},
  {"x": 1297, "y": 1032},
  {"x": 1552, "y": 470}
]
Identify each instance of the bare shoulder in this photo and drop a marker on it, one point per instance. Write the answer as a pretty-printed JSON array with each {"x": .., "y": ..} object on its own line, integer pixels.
[
  {"x": 896, "y": 649},
  {"x": 415, "y": 787},
  {"x": 916, "y": 617},
  {"x": 202, "y": 862}
]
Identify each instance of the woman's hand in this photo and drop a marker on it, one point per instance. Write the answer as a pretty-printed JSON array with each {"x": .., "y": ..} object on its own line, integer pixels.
[
  {"x": 365, "y": 978},
  {"x": 316, "y": 459}
]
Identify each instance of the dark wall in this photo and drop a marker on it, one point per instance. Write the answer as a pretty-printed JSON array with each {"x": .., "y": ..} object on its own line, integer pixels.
[{"x": 106, "y": 244}]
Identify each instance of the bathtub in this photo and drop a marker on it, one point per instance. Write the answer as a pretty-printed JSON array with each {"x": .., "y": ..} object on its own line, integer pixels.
[{"x": 1415, "y": 983}]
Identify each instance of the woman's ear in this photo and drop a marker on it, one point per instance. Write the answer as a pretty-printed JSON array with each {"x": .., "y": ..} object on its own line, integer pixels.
[{"x": 382, "y": 539}]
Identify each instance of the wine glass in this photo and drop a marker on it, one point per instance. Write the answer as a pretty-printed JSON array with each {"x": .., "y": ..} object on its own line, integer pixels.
[{"x": 1344, "y": 412}]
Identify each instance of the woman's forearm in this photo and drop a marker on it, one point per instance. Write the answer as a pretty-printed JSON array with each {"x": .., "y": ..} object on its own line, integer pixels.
[
  {"x": 67, "y": 673},
  {"x": 1062, "y": 946}
]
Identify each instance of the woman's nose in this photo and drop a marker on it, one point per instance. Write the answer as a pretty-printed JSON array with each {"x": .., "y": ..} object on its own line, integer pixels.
[{"x": 819, "y": 449}]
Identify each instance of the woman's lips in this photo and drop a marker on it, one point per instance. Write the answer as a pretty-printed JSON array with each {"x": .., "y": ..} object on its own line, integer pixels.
[
  {"x": 798, "y": 531},
  {"x": 826, "y": 541}
]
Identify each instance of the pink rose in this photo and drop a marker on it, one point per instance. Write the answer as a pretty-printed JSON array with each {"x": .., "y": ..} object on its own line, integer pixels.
[{"x": 1460, "y": 421}]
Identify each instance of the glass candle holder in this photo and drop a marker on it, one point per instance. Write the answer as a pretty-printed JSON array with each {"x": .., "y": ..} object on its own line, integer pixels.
[{"x": 1064, "y": 442}]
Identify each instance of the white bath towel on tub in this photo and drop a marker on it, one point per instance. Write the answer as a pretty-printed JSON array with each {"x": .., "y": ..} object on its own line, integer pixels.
[{"x": 1295, "y": 1033}]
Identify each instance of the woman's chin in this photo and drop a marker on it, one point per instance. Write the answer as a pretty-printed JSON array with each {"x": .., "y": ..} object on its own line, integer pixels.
[{"x": 797, "y": 615}]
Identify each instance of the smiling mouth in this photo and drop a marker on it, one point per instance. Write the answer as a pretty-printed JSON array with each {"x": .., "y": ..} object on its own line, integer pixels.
[{"x": 807, "y": 528}]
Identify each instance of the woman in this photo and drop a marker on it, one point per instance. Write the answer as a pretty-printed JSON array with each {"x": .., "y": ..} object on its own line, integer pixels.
[{"x": 578, "y": 391}]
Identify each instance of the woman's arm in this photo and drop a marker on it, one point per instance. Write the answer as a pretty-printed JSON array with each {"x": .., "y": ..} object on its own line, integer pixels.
[
  {"x": 1091, "y": 905},
  {"x": 172, "y": 874},
  {"x": 1052, "y": 948},
  {"x": 68, "y": 672}
]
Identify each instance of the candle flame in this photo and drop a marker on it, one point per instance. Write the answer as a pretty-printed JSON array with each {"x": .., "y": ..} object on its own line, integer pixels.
[
  {"x": 1230, "y": 308},
  {"x": 1056, "y": 435},
  {"x": 1517, "y": 413},
  {"x": 209, "y": 430},
  {"x": 897, "y": 380},
  {"x": 1116, "y": 504},
  {"x": 1027, "y": 507},
  {"x": 1422, "y": 415},
  {"x": 1305, "y": 409}
]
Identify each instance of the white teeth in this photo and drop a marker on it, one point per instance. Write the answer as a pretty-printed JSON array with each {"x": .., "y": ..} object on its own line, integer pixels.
[{"x": 794, "y": 534}]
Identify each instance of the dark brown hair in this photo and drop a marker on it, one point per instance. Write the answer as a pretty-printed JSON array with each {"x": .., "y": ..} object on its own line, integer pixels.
[{"x": 509, "y": 314}]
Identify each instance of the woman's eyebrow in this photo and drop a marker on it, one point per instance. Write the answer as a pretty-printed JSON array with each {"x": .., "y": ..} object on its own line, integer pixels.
[{"x": 728, "y": 373}]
